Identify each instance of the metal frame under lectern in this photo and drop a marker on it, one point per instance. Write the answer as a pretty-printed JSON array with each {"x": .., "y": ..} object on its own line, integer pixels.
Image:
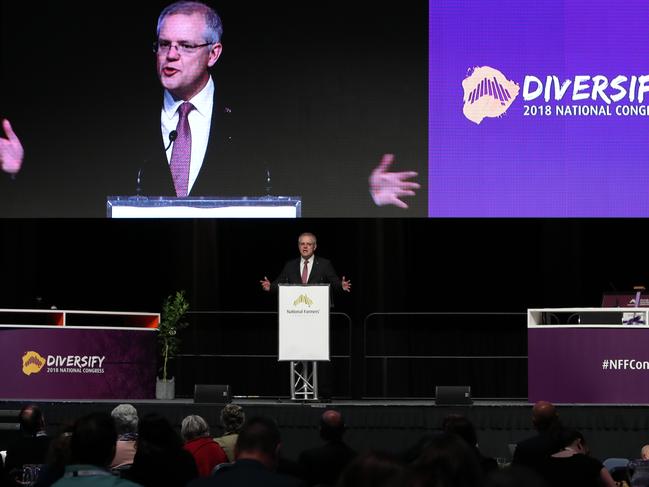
[{"x": 304, "y": 381}]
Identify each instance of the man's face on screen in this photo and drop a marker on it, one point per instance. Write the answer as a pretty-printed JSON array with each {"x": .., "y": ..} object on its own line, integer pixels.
[
  {"x": 182, "y": 67},
  {"x": 307, "y": 246}
]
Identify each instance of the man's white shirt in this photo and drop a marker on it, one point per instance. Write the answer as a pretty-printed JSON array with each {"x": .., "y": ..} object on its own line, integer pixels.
[{"x": 200, "y": 120}]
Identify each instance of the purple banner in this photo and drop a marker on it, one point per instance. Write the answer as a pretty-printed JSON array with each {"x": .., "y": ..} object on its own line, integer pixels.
[
  {"x": 589, "y": 365},
  {"x": 538, "y": 109},
  {"x": 70, "y": 363}
]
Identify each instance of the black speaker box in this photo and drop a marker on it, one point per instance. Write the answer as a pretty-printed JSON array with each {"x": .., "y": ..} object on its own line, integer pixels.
[
  {"x": 453, "y": 395},
  {"x": 216, "y": 393}
]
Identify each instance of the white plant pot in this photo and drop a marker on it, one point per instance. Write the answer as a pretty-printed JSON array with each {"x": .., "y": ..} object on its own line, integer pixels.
[{"x": 165, "y": 389}]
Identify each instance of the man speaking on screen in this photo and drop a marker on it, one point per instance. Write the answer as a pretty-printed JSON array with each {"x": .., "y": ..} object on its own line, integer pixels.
[{"x": 191, "y": 143}]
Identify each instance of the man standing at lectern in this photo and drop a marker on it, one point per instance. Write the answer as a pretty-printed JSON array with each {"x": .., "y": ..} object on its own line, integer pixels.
[{"x": 308, "y": 269}]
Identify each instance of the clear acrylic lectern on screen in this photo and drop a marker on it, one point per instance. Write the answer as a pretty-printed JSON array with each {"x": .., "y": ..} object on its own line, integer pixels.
[{"x": 204, "y": 207}]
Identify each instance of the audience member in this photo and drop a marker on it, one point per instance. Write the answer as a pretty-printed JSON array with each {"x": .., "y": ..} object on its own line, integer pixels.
[
  {"x": 31, "y": 447},
  {"x": 92, "y": 447},
  {"x": 638, "y": 470},
  {"x": 160, "y": 458},
  {"x": 324, "y": 464},
  {"x": 572, "y": 467},
  {"x": 373, "y": 469},
  {"x": 58, "y": 456},
  {"x": 207, "y": 453},
  {"x": 126, "y": 420},
  {"x": 446, "y": 461},
  {"x": 256, "y": 453},
  {"x": 232, "y": 418},
  {"x": 461, "y": 426},
  {"x": 532, "y": 452}
]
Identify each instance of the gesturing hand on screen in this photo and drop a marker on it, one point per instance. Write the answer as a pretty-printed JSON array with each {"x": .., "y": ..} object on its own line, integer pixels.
[
  {"x": 387, "y": 188},
  {"x": 11, "y": 150},
  {"x": 347, "y": 284},
  {"x": 265, "y": 284}
]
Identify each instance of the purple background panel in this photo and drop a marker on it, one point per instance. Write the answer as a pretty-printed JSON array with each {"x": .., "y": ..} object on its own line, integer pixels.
[
  {"x": 565, "y": 365},
  {"x": 536, "y": 166},
  {"x": 129, "y": 365}
]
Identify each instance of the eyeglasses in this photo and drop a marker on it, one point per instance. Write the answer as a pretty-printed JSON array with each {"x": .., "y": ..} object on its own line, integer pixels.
[{"x": 163, "y": 47}]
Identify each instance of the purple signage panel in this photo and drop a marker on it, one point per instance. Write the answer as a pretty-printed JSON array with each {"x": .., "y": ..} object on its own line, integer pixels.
[
  {"x": 538, "y": 109},
  {"x": 589, "y": 365},
  {"x": 70, "y": 363}
]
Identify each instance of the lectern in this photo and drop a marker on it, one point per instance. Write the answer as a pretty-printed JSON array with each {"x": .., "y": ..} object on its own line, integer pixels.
[
  {"x": 203, "y": 207},
  {"x": 303, "y": 335}
]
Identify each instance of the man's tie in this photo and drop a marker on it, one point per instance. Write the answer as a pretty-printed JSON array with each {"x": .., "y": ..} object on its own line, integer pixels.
[
  {"x": 181, "y": 154},
  {"x": 305, "y": 272}
]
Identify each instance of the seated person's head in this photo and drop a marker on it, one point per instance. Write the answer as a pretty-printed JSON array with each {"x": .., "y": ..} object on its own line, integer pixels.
[
  {"x": 446, "y": 459},
  {"x": 259, "y": 439},
  {"x": 332, "y": 425},
  {"x": 155, "y": 433},
  {"x": 461, "y": 426},
  {"x": 544, "y": 416},
  {"x": 125, "y": 417},
  {"x": 93, "y": 440},
  {"x": 193, "y": 427},
  {"x": 232, "y": 418},
  {"x": 31, "y": 419},
  {"x": 373, "y": 469},
  {"x": 644, "y": 453}
]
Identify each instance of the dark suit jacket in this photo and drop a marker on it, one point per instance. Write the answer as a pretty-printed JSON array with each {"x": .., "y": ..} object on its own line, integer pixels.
[
  {"x": 533, "y": 452},
  {"x": 322, "y": 272},
  {"x": 246, "y": 473},
  {"x": 231, "y": 167},
  {"x": 323, "y": 465}
]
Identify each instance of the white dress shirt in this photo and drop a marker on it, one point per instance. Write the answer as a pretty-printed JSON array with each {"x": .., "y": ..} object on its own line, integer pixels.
[{"x": 200, "y": 120}]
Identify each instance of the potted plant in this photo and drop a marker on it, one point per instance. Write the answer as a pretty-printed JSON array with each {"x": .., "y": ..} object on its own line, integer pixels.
[{"x": 173, "y": 310}]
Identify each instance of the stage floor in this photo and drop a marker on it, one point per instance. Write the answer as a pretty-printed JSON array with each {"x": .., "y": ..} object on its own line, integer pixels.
[{"x": 612, "y": 430}]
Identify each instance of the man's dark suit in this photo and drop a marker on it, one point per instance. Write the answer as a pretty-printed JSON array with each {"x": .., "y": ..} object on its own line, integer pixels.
[
  {"x": 231, "y": 167},
  {"x": 246, "y": 473},
  {"x": 322, "y": 272}
]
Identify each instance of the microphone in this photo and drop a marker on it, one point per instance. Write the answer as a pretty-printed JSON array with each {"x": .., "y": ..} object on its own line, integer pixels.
[
  {"x": 269, "y": 186},
  {"x": 173, "y": 135}
]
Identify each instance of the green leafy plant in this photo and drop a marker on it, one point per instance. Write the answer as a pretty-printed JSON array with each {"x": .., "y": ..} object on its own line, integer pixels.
[{"x": 173, "y": 310}]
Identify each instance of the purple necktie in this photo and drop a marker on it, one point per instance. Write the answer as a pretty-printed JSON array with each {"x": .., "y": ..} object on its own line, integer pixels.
[
  {"x": 181, "y": 154},
  {"x": 305, "y": 272}
]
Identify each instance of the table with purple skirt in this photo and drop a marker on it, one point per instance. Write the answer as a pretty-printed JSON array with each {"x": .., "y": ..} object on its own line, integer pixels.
[
  {"x": 60, "y": 354},
  {"x": 588, "y": 355}
]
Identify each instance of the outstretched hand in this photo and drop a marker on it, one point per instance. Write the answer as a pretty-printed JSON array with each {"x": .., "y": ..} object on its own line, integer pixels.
[
  {"x": 11, "y": 150},
  {"x": 265, "y": 284},
  {"x": 387, "y": 188},
  {"x": 347, "y": 285}
]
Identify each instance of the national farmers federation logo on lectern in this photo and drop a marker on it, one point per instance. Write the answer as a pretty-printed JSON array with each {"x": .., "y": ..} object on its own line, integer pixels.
[{"x": 303, "y": 299}]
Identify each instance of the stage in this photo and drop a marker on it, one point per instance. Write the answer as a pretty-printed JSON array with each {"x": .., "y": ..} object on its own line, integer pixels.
[{"x": 611, "y": 430}]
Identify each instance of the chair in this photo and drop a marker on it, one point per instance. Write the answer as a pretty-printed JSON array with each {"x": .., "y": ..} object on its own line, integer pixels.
[{"x": 618, "y": 468}]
